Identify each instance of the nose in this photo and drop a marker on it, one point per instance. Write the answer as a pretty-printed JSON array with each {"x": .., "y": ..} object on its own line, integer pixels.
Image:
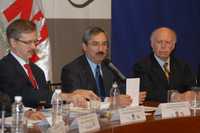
[
  {"x": 102, "y": 47},
  {"x": 33, "y": 45},
  {"x": 163, "y": 44}
]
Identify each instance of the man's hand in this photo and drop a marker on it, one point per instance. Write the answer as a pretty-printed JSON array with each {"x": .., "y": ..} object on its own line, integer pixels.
[
  {"x": 87, "y": 94},
  {"x": 76, "y": 99},
  {"x": 186, "y": 96},
  {"x": 34, "y": 115},
  {"x": 124, "y": 100},
  {"x": 142, "y": 97},
  {"x": 80, "y": 97}
]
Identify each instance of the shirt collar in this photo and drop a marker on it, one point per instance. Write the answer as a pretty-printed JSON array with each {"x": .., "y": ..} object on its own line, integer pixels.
[
  {"x": 19, "y": 59},
  {"x": 93, "y": 65},
  {"x": 161, "y": 62}
]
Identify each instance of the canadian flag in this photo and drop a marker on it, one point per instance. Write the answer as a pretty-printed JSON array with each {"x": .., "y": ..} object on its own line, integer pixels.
[{"x": 31, "y": 10}]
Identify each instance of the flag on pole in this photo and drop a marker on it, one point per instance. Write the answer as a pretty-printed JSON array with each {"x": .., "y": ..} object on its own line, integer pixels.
[{"x": 31, "y": 10}]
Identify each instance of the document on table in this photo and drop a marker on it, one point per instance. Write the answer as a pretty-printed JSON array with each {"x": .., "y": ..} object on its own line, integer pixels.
[{"x": 132, "y": 89}]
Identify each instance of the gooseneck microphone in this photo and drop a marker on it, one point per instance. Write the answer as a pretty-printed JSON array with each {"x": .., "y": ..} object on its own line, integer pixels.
[{"x": 114, "y": 69}]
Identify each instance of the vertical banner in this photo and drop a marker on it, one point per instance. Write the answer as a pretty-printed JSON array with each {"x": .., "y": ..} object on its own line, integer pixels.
[{"x": 31, "y": 10}]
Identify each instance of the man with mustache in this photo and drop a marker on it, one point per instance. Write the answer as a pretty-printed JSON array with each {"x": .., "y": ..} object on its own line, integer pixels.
[
  {"x": 81, "y": 74},
  {"x": 161, "y": 71},
  {"x": 21, "y": 77}
]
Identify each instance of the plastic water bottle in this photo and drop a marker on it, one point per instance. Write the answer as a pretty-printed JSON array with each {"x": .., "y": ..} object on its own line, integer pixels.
[
  {"x": 2, "y": 120},
  {"x": 114, "y": 95},
  {"x": 17, "y": 115},
  {"x": 57, "y": 105}
]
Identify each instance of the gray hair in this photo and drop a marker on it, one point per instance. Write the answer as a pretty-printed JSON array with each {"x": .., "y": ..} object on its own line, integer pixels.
[
  {"x": 91, "y": 31},
  {"x": 19, "y": 26}
]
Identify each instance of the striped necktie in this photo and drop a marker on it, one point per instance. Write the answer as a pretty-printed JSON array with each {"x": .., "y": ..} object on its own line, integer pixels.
[{"x": 166, "y": 70}]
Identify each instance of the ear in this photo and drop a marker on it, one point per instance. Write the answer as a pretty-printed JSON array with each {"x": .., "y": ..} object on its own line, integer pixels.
[
  {"x": 152, "y": 45},
  {"x": 84, "y": 47},
  {"x": 173, "y": 46},
  {"x": 13, "y": 42}
]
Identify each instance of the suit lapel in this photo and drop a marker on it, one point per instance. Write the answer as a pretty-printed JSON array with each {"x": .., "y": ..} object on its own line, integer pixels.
[
  {"x": 18, "y": 67},
  {"x": 172, "y": 71},
  {"x": 107, "y": 76},
  {"x": 87, "y": 73},
  {"x": 157, "y": 70}
]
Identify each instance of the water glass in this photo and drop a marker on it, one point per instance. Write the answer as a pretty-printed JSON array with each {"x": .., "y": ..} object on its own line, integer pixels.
[
  {"x": 94, "y": 106},
  {"x": 66, "y": 113},
  {"x": 172, "y": 96},
  {"x": 195, "y": 102}
]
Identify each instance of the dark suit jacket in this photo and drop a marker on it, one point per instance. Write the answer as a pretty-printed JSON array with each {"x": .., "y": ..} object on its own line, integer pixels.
[
  {"x": 14, "y": 81},
  {"x": 198, "y": 76},
  {"x": 154, "y": 81},
  {"x": 78, "y": 75}
]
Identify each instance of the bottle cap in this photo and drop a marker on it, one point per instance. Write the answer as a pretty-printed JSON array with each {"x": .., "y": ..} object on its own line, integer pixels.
[
  {"x": 58, "y": 91},
  {"x": 18, "y": 98},
  {"x": 115, "y": 85}
]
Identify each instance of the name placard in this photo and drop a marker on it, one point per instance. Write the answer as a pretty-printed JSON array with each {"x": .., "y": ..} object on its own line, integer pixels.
[
  {"x": 88, "y": 123},
  {"x": 172, "y": 110},
  {"x": 132, "y": 114}
]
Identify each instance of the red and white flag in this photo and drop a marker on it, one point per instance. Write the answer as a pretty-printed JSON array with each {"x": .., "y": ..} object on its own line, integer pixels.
[{"x": 30, "y": 10}]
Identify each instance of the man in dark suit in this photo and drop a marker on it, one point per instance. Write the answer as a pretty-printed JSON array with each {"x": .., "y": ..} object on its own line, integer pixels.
[
  {"x": 81, "y": 74},
  {"x": 14, "y": 76},
  {"x": 18, "y": 75},
  {"x": 161, "y": 71},
  {"x": 14, "y": 81},
  {"x": 81, "y": 68}
]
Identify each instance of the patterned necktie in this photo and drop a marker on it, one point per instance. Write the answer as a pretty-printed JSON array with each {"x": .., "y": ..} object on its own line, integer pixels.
[
  {"x": 31, "y": 76},
  {"x": 99, "y": 83},
  {"x": 166, "y": 70}
]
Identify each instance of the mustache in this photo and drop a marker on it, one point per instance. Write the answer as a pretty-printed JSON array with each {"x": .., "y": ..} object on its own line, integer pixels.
[{"x": 100, "y": 53}]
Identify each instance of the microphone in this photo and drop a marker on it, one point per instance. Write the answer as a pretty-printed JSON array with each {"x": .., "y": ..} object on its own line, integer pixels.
[{"x": 114, "y": 69}]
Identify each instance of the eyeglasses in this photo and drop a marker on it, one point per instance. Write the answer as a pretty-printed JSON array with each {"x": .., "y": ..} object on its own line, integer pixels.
[{"x": 28, "y": 42}]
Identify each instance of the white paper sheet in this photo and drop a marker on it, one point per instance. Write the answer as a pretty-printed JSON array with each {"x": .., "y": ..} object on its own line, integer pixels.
[{"x": 132, "y": 89}]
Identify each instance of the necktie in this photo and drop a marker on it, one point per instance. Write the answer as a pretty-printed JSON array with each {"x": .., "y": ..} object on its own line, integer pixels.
[
  {"x": 166, "y": 70},
  {"x": 30, "y": 75},
  {"x": 99, "y": 83}
]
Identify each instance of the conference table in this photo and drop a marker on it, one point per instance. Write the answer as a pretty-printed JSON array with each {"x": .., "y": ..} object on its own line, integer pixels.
[
  {"x": 151, "y": 125},
  {"x": 157, "y": 125},
  {"x": 175, "y": 125}
]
